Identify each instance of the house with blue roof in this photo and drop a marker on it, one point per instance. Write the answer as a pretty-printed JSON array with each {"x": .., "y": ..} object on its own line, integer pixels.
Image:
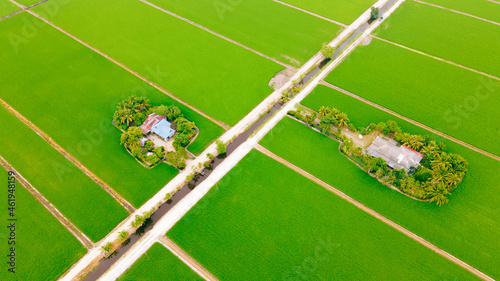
[{"x": 163, "y": 130}]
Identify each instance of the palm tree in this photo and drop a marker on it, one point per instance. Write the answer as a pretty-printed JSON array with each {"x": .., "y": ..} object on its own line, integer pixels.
[
  {"x": 323, "y": 111},
  {"x": 143, "y": 103},
  {"x": 416, "y": 142},
  {"x": 405, "y": 138},
  {"x": 437, "y": 193},
  {"x": 451, "y": 180},
  {"x": 341, "y": 119}
]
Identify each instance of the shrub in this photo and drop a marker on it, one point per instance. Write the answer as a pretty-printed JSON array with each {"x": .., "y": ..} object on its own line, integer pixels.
[
  {"x": 177, "y": 159},
  {"x": 327, "y": 50},
  {"x": 122, "y": 235},
  {"x": 139, "y": 220},
  {"x": 149, "y": 145},
  {"x": 160, "y": 152},
  {"x": 221, "y": 147},
  {"x": 153, "y": 159},
  {"x": 374, "y": 13},
  {"x": 180, "y": 141},
  {"x": 137, "y": 151}
]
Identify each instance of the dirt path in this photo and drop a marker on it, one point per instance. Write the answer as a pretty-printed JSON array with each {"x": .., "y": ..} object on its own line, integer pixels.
[
  {"x": 51, "y": 208},
  {"x": 458, "y": 12},
  {"x": 217, "y": 34},
  {"x": 311, "y": 13},
  {"x": 437, "y": 58},
  {"x": 220, "y": 123},
  {"x": 68, "y": 156},
  {"x": 491, "y": 155},
  {"x": 375, "y": 214},
  {"x": 186, "y": 258}
]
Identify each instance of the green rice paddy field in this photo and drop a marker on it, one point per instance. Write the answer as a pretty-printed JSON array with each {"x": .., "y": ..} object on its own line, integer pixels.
[
  {"x": 27, "y": 2},
  {"x": 159, "y": 264},
  {"x": 288, "y": 228},
  {"x": 466, "y": 227},
  {"x": 276, "y": 30},
  {"x": 461, "y": 39},
  {"x": 74, "y": 194},
  {"x": 71, "y": 92},
  {"x": 481, "y": 8},
  {"x": 216, "y": 76},
  {"x": 7, "y": 8},
  {"x": 340, "y": 10},
  {"x": 450, "y": 99},
  {"x": 44, "y": 248}
]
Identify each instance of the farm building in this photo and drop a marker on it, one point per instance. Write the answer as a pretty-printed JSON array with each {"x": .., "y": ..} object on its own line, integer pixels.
[
  {"x": 397, "y": 157},
  {"x": 158, "y": 125}
]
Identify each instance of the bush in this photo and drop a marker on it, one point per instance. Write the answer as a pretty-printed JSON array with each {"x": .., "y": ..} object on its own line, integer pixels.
[
  {"x": 152, "y": 159},
  {"x": 374, "y": 13},
  {"x": 180, "y": 141},
  {"x": 177, "y": 159},
  {"x": 221, "y": 147},
  {"x": 327, "y": 51},
  {"x": 149, "y": 146},
  {"x": 137, "y": 152},
  {"x": 160, "y": 152},
  {"x": 138, "y": 221}
]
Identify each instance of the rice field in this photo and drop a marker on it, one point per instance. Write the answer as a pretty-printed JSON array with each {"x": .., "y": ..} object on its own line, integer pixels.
[
  {"x": 286, "y": 227},
  {"x": 218, "y": 77},
  {"x": 74, "y": 194},
  {"x": 343, "y": 11},
  {"x": 44, "y": 248},
  {"x": 159, "y": 264},
  {"x": 7, "y": 8},
  {"x": 276, "y": 30},
  {"x": 466, "y": 227},
  {"x": 458, "y": 38},
  {"x": 481, "y": 8},
  {"x": 455, "y": 101},
  {"x": 71, "y": 92}
]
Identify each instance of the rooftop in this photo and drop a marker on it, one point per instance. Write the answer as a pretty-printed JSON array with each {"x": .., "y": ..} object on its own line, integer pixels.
[
  {"x": 150, "y": 121},
  {"x": 397, "y": 157},
  {"x": 163, "y": 129}
]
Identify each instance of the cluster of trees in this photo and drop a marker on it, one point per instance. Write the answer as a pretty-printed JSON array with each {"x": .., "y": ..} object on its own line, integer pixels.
[
  {"x": 133, "y": 111},
  {"x": 185, "y": 131},
  {"x": 331, "y": 116},
  {"x": 287, "y": 95},
  {"x": 438, "y": 174}
]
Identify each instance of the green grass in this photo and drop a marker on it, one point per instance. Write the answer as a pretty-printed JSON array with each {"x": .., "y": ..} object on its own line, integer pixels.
[
  {"x": 7, "y": 8},
  {"x": 481, "y": 8},
  {"x": 265, "y": 222},
  {"x": 340, "y": 10},
  {"x": 216, "y": 76},
  {"x": 266, "y": 26},
  {"x": 159, "y": 264},
  {"x": 71, "y": 92},
  {"x": 466, "y": 227},
  {"x": 426, "y": 90},
  {"x": 28, "y": 2},
  {"x": 74, "y": 194},
  {"x": 44, "y": 248},
  {"x": 455, "y": 37}
]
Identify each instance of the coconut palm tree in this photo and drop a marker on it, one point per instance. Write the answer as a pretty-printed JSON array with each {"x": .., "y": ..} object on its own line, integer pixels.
[
  {"x": 437, "y": 193},
  {"x": 324, "y": 110},
  {"x": 341, "y": 120}
]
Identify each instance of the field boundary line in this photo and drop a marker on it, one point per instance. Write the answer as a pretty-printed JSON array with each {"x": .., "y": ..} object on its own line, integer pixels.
[
  {"x": 136, "y": 74},
  {"x": 216, "y": 34},
  {"x": 374, "y": 214},
  {"x": 493, "y": 1},
  {"x": 458, "y": 12},
  {"x": 491, "y": 155},
  {"x": 22, "y": 10},
  {"x": 437, "y": 58},
  {"x": 73, "y": 229},
  {"x": 311, "y": 13},
  {"x": 186, "y": 258},
  {"x": 125, "y": 204}
]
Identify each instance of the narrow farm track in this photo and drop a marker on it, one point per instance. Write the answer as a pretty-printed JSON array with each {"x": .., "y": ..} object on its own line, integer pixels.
[
  {"x": 68, "y": 156},
  {"x": 217, "y": 34},
  {"x": 220, "y": 123},
  {"x": 311, "y": 13},
  {"x": 437, "y": 58},
  {"x": 23, "y": 9},
  {"x": 375, "y": 214},
  {"x": 51, "y": 208},
  {"x": 458, "y": 12},
  {"x": 491, "y": 155},
  {"x": 186, "y": 258}
]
